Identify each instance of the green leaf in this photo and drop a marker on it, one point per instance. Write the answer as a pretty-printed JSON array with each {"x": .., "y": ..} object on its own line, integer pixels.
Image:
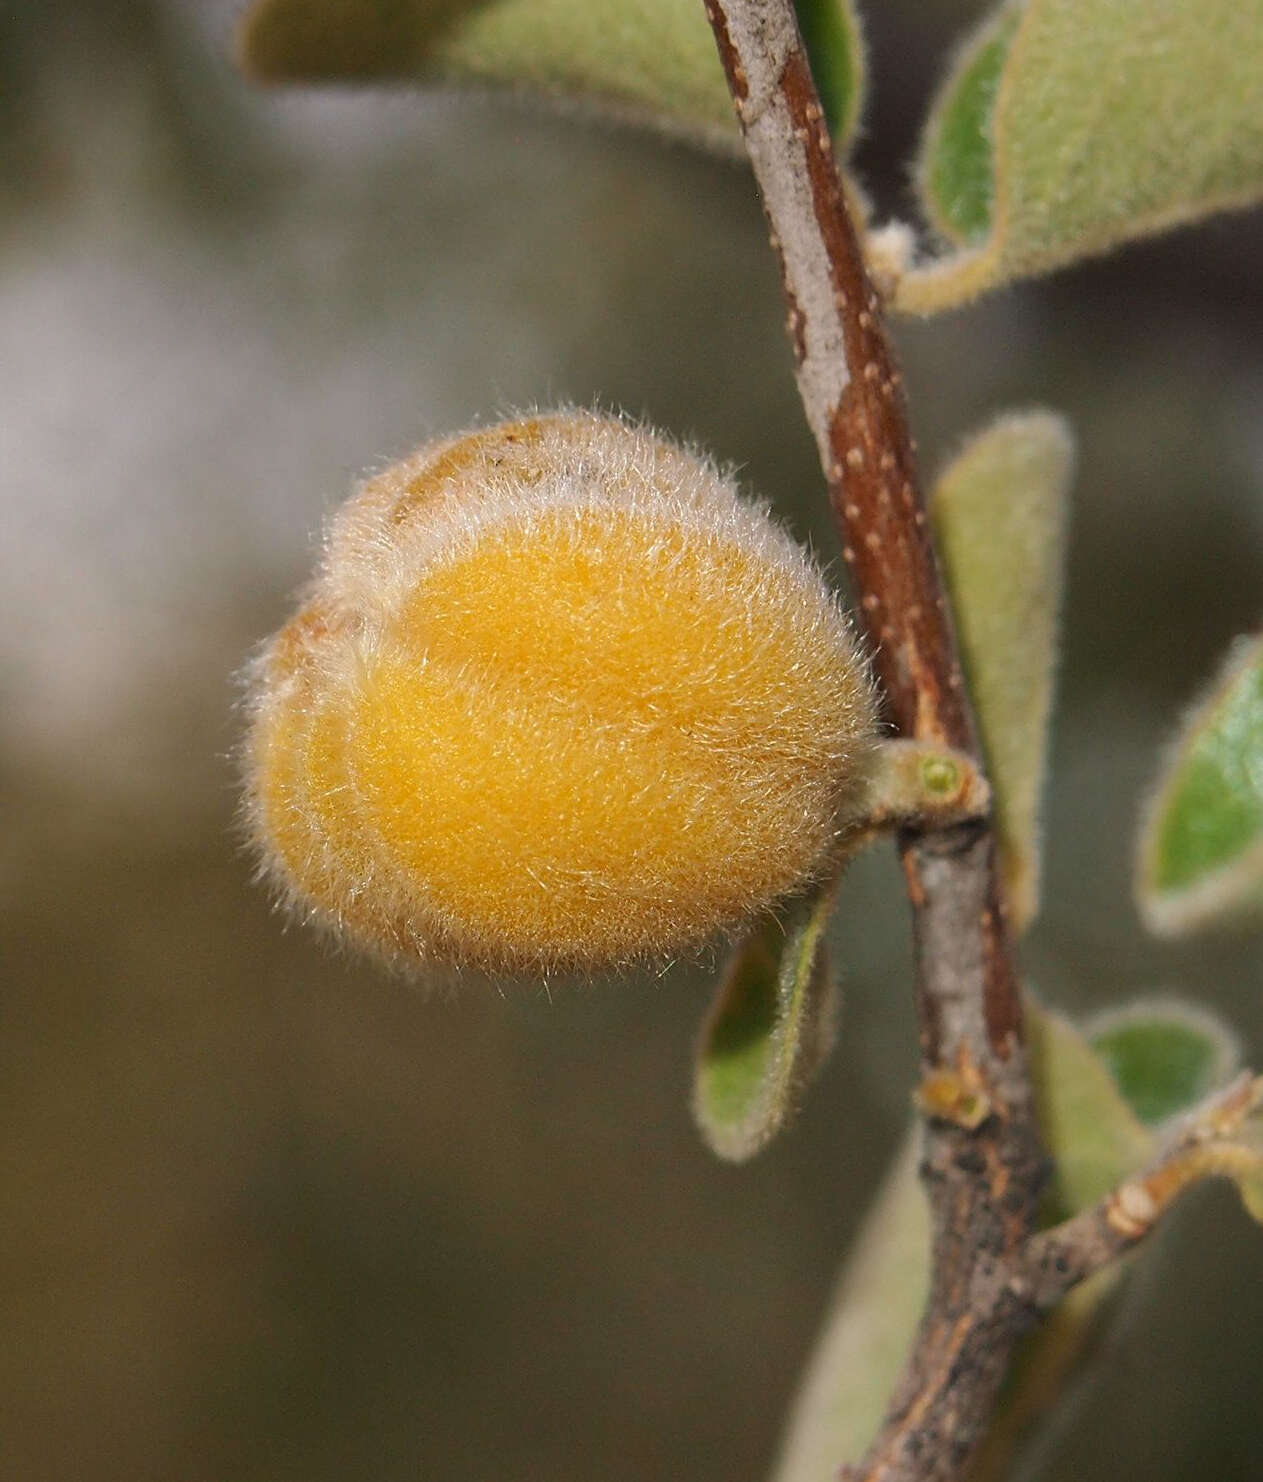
[
  {"x": 1164, "y": 1055},
  {"x": 1097, "y": 1142},
  {"x": 1069, "y": 126},
  {"x": 958, "y": 155},
  {"x": 1095, "y": 1137},
  {"x": 652, "y": 60},
  {"x": 1200, "y": 857},
  {"x": 768, "y": 1031},
  {"x": 1000, "y": 513}
]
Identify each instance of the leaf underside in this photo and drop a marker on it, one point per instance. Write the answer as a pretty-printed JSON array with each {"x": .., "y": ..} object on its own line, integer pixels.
[
  {"x": 1069, "y": 126},
  {"x": 1000, "y": 512},
  {"x": 648, "y": 60},
  {"x": 1095, "y": 1136}
]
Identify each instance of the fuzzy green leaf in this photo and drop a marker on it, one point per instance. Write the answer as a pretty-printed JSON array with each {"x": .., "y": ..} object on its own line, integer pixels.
[
  {"x": 1094, "y": 1135},
  {"x": 1069, "y": 126},
  {"x": 960, "y": 189},
  {"x": 1200, "y": 857},
  {"x": 1164, "y": 1055},
  {"x": 1096, "y": 1141},
  {"x": 1000, "y": 513},
  {"x": 767, "y": 1032},
  {"x": 653, "y": 60}
]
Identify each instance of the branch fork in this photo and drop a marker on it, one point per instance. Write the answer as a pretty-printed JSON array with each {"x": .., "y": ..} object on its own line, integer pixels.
[{"x": 1210, "y": 1142}]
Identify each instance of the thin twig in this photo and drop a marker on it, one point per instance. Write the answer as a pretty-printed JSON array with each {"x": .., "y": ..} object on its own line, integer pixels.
[
  {"x": 1205, "y": 1146},
  {"x": 983, "y": 1174}
]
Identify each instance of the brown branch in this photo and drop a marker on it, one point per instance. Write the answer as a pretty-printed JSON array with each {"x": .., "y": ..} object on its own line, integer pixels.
[
  {"x": 1205, "y": 1147},
  {"x": 991, "y": 1275},
  {"x": 983, "y": 1174}
]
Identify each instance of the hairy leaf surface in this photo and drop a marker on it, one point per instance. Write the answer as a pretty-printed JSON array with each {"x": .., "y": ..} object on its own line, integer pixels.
[
  {"x": 1000, "y": 512},
  {"x": 1069, "y": 126},
  {"x": 649, "y": 60}
]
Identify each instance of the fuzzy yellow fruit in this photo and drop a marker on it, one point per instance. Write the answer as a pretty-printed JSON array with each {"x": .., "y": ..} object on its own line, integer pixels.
[{"x": 558, "y": 699}]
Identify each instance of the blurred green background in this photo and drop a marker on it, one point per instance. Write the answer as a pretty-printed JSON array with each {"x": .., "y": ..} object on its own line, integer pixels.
[{"x": 268, "y": 1214}]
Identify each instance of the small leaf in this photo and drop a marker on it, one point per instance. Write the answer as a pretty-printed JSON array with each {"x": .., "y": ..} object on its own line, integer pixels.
[
  {"x": 1069, "y": 126},
  {"x": 1200, "y": 857},
  {"x": 768, "y": 1031},
  {"x": 654, "y": 60},
  {"x": 1095, "y": 1137},
  {"x": 1000, "y": 513},
  {"x": 1164, "y": 1055}
]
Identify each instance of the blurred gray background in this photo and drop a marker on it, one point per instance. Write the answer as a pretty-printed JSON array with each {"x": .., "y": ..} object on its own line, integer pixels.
[{"x": 267, "y": 1214}]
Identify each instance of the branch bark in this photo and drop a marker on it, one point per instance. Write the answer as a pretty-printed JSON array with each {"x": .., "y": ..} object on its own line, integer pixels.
[
  {"x": 984, "y": 1169},
  {"x": 983, "y": 1166},
  {"x": 1205, "y": 1146}
]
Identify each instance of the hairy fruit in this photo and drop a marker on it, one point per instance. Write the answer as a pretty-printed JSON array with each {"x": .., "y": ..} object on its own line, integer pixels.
[{"x": 558, "y": 699}]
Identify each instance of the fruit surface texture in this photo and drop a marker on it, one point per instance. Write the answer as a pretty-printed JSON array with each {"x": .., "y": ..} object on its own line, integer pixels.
[{"x": 558, "y": 699}]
